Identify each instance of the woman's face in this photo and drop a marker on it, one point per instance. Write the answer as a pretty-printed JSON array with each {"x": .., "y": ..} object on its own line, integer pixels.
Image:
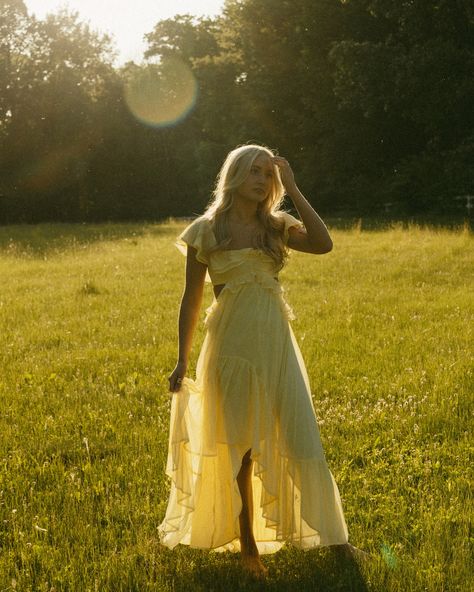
[{"x": 258, "y": 184}]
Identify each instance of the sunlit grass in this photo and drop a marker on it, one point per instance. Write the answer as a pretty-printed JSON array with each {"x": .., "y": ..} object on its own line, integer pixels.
[{"x": 88, "y": 337}]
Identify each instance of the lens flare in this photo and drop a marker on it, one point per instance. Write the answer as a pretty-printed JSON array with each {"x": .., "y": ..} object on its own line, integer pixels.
[{"x": 162, "y": 95}]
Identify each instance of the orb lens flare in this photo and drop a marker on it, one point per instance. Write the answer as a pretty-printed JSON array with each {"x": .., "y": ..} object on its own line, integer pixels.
[{"x": 162, "y": 95}]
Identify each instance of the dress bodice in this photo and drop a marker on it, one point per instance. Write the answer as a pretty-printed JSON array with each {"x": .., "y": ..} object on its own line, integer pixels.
[
  {"x": 236, "y": 265},
  {"x": 233, "y": 265}
]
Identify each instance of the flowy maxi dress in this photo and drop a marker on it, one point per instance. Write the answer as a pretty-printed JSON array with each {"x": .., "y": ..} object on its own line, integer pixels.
[{"x": 251, "y": 392}]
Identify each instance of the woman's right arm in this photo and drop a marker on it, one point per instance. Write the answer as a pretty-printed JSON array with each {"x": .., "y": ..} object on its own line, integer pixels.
[{"x": 188, "y": 315}]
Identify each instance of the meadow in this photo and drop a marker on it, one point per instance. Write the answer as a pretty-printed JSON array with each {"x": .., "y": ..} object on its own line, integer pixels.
[{"x": 88, "y": 319}]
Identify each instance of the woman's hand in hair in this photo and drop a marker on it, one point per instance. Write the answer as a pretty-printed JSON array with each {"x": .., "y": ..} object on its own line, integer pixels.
[{"x": 286, "y": 173}]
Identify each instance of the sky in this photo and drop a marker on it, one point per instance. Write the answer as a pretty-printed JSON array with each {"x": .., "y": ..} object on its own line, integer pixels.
[{"x": 126, "y": 20}]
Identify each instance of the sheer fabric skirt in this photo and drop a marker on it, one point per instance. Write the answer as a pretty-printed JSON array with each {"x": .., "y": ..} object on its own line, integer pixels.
[{"x": 251, "y": 392}]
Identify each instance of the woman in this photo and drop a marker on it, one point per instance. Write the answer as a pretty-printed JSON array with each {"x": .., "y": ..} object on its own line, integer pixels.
[{"x": 245, "y": 458}]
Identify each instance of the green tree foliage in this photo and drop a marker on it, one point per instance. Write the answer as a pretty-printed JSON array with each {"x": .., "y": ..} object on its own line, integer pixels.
[
  {"x": 13, "y": 42},
  {"x": 57, "y": 73},
  {"x": 405, "y": 80},
  {"x": 215, "y": 124},
  {"x": 185, "y": 36},
  {"x": 371, "y": 100}
]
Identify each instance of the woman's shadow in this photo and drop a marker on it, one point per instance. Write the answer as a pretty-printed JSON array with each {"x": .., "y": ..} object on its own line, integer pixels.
[{"x": 290, "y": 569}]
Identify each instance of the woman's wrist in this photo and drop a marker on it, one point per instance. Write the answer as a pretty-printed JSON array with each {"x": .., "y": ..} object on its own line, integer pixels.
[{"x": 292, "y": 191}]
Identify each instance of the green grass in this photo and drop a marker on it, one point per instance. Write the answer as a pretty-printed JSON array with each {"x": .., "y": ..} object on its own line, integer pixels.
[{"x": 88, "y": 338}]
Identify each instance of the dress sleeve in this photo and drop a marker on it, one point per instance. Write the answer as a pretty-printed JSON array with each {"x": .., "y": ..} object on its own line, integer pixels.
[
  {"x": 197, "y": 235},
  {"x": 289, "y": 222}
]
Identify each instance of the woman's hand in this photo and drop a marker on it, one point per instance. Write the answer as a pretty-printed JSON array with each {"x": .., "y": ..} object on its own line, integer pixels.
[
  {"x": 314, "y": 238},
  {"x": 176, "y": 377},
  {"x": 286, "y": 173}
]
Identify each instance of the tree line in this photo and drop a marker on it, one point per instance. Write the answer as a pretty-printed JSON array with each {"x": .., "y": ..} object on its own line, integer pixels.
[{"x": 370, "y": 100}]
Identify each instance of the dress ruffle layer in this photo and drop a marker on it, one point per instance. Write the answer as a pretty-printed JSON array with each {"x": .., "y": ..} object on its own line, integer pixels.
[{"x": 295, "y": 500}]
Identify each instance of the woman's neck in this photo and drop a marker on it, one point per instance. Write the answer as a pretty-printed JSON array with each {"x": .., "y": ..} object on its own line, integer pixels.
[{"x": 244, "y": 212}]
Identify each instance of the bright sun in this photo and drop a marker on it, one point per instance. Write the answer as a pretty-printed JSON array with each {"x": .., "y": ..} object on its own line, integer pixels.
[{"x": 127, "y": 21}]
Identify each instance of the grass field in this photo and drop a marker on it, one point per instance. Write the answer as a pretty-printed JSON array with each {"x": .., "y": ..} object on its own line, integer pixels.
[{"x": 88, "y": 338}]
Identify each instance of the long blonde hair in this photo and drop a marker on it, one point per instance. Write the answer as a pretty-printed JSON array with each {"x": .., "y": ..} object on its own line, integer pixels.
[{"x": 233, "y": 173}]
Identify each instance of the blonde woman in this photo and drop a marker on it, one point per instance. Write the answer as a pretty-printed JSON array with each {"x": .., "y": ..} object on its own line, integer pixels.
[{"x": 248, "y": 471}]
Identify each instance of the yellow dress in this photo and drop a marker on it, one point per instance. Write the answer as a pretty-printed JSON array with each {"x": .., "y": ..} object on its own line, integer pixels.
[{"x": 251, "y": 392}]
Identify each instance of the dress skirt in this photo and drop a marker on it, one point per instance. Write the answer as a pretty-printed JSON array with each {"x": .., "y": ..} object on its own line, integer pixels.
[{"x": 251, "y": 392}]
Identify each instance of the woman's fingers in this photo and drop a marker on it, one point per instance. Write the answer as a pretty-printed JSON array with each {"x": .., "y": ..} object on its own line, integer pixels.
[
  {"x": 175, "y": 381},
  {"x": 173, "y": 384},
  {"x": 279, "y": 160},
  {"x": 285, "y": 170}
]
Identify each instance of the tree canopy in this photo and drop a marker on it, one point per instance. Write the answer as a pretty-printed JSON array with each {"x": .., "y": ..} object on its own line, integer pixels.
[{"x": 370, "y": 100}]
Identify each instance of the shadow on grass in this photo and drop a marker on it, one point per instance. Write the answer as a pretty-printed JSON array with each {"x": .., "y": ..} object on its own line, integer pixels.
[
  {"x": 28, "y": 240},
  {"x": 289, "y": 569}
]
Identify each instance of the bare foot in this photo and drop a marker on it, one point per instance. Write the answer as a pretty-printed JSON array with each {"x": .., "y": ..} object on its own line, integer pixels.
[
  {"x": 253, "y": 566},
  {"x": 348, "y": 551}
]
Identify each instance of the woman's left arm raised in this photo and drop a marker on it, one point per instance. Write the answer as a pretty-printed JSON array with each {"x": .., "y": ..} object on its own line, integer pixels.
[{"x": 315, "y": 237}]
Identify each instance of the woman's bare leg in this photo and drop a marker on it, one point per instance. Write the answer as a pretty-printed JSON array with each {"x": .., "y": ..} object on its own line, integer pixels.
[
  {"x": 244, "y": 480},
  {"x": 250, "y": 556}
]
